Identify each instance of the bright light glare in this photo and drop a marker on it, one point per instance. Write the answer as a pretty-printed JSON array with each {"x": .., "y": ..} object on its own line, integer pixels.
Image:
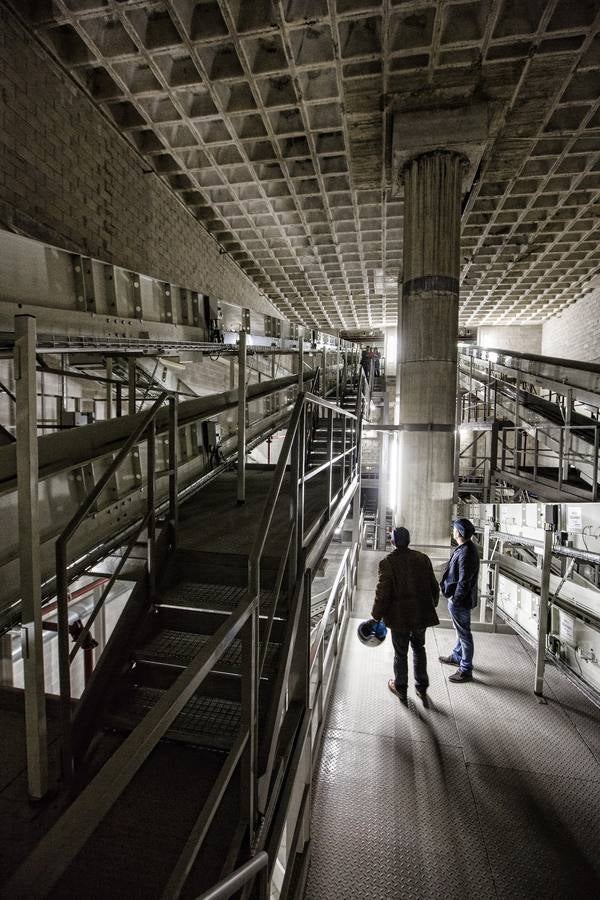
[
  {"x": 394, "y": 456},
  {"x": 493, "y": 357}
]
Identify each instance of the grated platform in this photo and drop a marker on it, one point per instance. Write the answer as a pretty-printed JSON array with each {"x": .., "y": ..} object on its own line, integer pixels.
[
  {"x": 485, "y": 792},
  {"x": 178, "y": 648},
  {"x": 203, "y": 721}
]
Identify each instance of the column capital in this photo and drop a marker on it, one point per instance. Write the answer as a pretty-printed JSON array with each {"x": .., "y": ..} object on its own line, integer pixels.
[{"x": 457, "y": 130}]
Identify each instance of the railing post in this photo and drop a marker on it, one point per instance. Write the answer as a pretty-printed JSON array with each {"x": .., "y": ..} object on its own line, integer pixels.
[
  {"x": 536, "y": 447},
  {"x": 324, "y": 372},
  {"x": 64, "y": 665},
  {"x": 330, "y": 470},
  {"x": 300, "y": 482},
  {"x": 595, "y": 466},
  {"x": 131, "y": 379},
  {"x": 344, "y": 451},
  {"x": 241, "y": 422},
  {"x": 29, "y": 555},
  {"x": 294, "y": 499},
  {"x": 300, "y": 364},
  {"x": 543, "y": 606},
  {"x": 485, "y": 573},
  {"x": 119, "y": 402},
  {"x": 109, "y": 397},
  {"x": 561, "y": 449},
  {"x": 173, "y": 464},
  {"x": 567, "y": 439},
  {"x": 151, "y": 488},
  {"x": 249, "y": 698},
  {"x": 337, "y": 371}
]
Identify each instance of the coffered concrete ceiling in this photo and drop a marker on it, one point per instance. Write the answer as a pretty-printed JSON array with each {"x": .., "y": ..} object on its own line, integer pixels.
[{"x": 272, "y": 121}]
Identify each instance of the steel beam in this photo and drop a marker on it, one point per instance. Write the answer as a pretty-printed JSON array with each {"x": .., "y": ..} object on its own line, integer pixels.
[{"x": 29, "y": 555}]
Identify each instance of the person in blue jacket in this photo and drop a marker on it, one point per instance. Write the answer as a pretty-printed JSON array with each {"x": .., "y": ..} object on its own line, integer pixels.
[{"x": 459, "y": 586}]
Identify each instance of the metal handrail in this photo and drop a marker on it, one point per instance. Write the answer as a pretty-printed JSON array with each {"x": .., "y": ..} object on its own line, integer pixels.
[
  {"x": 320, "y": 630},
  {"x": 239, "y": 878},
  {"x": 147, "y": 425}
]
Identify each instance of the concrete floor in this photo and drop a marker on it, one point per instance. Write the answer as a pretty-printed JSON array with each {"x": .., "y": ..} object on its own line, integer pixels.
[{"x": 489, "y": 792}]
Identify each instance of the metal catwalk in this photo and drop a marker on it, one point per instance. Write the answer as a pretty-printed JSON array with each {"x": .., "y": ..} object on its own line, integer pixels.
[{"x": 487, "y": 793}]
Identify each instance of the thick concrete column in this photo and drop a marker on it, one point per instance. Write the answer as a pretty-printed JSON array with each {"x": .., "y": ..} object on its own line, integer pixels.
[{"x": 428, "y": 332}]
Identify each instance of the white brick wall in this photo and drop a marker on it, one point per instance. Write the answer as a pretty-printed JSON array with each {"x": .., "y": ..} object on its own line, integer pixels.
[
  {"x": 519, "y": 338},
  {"x": 68, "y": 177},
  {"x": 575, "y": 333}
]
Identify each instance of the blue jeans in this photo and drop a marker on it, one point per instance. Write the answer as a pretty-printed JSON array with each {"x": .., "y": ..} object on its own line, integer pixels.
[
  {"x": 462, "y": 652},
  {"x": 401, "y": 640}
]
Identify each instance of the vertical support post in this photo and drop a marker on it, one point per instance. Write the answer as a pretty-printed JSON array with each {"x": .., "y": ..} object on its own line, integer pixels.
[
  {"x": 344, "y": 421},
  {"x": 356, "y": 517},
  {"x": 337, "y": 372},
  {"x": 457, "y": 445},
  {"x": 517, "y": 440},
  {"x": 382, "y": 489},
  {"x": 300, "y": 364},
  {"x": 324, "y": 372},
  {"x": 109, "y": 392},
  {"x": 595, "y": 466},
  {"x": 300, "y": 482},
  {"x": 131, "y": 405},
  {"x": 540, "y": 663},
  {"x": 173, "y": 463},
  {"x": 249, "y": 698},
  {"x": 294, "y": 498},
  {"x": 536, "y": 448},
  {"x": 567, "y": 439},
  {"x": 241, "y": 423},
  {"x": 119, "y": 400},
  {"x": 151, "y": 487},
  {"x": 561, "y": 451},
  {"x": 485, "y": 569},
  {"x": 330, "y": 451},
  {"x": 29, "y": 554}
]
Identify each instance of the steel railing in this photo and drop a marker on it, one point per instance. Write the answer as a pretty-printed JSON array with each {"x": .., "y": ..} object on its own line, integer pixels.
[
  {"x": 146, "y": 430},
  {"x": 77, "y": 824}
]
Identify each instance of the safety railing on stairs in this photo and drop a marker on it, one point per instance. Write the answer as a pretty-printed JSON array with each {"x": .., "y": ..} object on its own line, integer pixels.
[
  {"x": 77, "y": 824},
  {"x": 335, "y": 490},
  {"x": 146, "y": 430}
]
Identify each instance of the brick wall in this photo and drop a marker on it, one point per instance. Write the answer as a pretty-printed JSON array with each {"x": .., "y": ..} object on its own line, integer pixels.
[
  {"x": 67, "y": 177},
  {"x": 575, "y": 333},
  {"x": 519, "y": 338}
]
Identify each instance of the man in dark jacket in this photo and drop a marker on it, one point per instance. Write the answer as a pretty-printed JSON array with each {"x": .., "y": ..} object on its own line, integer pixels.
[
  {"x": 459, "y": 586},
  {"x": 406, "y": 596}
]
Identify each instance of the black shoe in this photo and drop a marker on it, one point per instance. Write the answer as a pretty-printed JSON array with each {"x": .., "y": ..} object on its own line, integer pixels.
[
  {"x": 401, "y": 695},
  {"x": 421, "y": 693},
  {"x": 448, "y": 660},
  {"x": 460, "y": 676}
]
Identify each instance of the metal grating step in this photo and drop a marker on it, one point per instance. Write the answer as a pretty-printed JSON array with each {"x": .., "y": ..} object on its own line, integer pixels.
[
  {"x": 211, "y": 597},
  {"x": 178, "y": 648},
  {"x": 203, "y": 721}
]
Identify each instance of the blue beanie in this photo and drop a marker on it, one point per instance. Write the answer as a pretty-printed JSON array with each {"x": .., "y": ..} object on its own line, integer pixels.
[{"x": 464, "y": 527}]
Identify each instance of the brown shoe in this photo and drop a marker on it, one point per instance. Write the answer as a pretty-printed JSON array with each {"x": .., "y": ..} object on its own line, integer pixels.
[{"x": 401, "y": 695}]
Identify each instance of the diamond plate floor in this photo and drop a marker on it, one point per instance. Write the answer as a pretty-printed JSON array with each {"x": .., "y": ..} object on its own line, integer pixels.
[{"x": 488, "y": 792}]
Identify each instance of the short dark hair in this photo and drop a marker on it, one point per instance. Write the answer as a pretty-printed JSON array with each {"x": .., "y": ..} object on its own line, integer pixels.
[{"x": 401, "y": 537}]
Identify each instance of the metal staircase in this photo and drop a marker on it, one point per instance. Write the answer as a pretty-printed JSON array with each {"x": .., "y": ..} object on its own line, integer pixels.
[
  {"x": 194, "y": 739},
  {"x": 535, "y": 426}
]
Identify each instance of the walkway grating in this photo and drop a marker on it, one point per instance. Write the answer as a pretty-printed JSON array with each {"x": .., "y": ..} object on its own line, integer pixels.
[{"x": 489, "y": 792}]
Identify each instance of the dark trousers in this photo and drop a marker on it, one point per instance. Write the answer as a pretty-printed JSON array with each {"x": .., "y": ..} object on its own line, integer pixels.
[{"x": 401, "y": 640}]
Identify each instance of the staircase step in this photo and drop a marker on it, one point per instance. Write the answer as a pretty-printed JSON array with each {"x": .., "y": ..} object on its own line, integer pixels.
[
  {"x": 219, "y": 598},
  {"x": 203, "y": 721},
  {"x": 177, "y": 649}
]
